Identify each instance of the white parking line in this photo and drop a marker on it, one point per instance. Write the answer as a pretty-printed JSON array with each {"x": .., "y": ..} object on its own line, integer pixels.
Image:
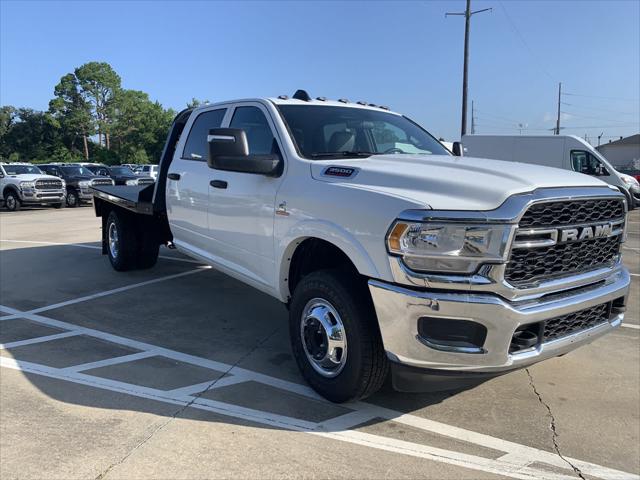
[
  {"x": 106, "y": 293},
  {"x": 95, "y": 247},
  {"x": 110, "y": 361},
  {"x": 513, "y": 463},
  {"x": 31, "y": 341},
  {"x": 631, "y": 325}
]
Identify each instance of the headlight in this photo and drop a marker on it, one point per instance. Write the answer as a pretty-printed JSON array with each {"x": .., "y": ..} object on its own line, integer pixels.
[
  {"x": 630, "y": 181},
  {"x": 64, "y": 184},
  {"x": 84, "y": 183},
  {"x": 28, "y": 185},
  {"x": 450, "y": 247},
  {"x": 131, "y": 182}
]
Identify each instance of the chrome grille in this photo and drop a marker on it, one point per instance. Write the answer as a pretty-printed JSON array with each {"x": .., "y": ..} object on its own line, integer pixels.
[
  {"x": 145, "y": 181},
  {"x": 550, "y": 259},
  {"x": 48, "y": 184},
  {"x": 574, "y": 212},
  {"x": 559, "y": 327},
  {"x": 101, "y": 181}
]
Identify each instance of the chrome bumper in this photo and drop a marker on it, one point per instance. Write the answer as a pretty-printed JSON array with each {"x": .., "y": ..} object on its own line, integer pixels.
[
  {"x": 36, "y": 196},
  {"x": 399, "y": 309}
]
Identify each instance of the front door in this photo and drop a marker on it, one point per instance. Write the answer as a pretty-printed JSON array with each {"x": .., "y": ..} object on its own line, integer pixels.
[{"x": 241, "y": 205}]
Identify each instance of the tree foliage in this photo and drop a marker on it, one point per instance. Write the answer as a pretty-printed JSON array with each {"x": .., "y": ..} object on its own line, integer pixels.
[{"x": 90, "y": 116}]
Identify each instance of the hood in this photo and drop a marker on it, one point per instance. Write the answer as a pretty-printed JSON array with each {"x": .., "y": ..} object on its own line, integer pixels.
[
  {"x": 444, "y": 182},
  {"x": 29, "y": 177},
  {"x": 79, "y": 178}
]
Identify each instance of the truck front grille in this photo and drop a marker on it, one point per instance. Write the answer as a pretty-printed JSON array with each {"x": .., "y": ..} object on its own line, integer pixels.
[
  {"x": 145, "y": 181},
  {"x": 101, "y": 181},
  {"x": 48, "y": 184},
  {"x": 574, "y": 212},
  {"x": 574, "y": 322},
  {"x": 529, "y": 265}
]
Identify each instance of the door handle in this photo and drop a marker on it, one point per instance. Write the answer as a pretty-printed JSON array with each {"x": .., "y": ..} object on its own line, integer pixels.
[
  {"x": 173, "y": 176},
  {"x": 218, "y": 184}
]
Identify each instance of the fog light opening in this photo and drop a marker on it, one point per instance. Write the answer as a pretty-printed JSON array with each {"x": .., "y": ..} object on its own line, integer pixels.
[
  {"x": 526, "y": 337},
  {"x": 452, "y": 335}
]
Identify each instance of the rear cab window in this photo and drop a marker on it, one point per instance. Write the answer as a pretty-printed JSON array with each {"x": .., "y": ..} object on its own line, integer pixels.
[{"x": 196, "y": 147}]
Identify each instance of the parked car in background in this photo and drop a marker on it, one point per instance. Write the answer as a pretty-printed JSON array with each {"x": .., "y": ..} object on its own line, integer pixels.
[
  {"x": 121, "y": 175},
  {"x": 148, "y": 170},
  {"x": 25, "y": 184},
  {"x": 561, "y": 151},
  {"x": 633, "y": 172},
  {"x": 79, "y": 181},
  {"x": 133, "y": 166}
]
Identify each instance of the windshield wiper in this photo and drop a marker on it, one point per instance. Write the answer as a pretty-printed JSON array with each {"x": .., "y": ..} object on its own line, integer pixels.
[{"x": 343, "y": 154}]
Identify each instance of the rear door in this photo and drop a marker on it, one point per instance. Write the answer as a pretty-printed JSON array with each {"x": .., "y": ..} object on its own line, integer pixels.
[{"x": 188, "y": 183}]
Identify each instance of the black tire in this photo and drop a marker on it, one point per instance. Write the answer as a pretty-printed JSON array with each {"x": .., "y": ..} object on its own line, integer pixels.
[
  {"x": 72, "y": 199},
  {"x": 148, "y": 251},
  {"x": 57, "y": 205},
  {"x": 366, "y": 364},
  {"x": 11, "y": 201},
  {"x": 122, "y": 254}
]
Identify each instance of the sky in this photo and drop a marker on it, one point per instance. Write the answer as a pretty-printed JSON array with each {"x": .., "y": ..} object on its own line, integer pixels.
[{"x": 407, "y": 55}]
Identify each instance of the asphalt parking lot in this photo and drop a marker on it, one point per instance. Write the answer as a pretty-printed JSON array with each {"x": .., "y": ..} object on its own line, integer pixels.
[{"x": 182, "y": 372}]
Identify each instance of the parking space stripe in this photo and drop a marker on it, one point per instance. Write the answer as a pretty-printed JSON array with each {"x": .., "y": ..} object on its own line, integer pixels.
[
  {"x": 513, "y": 463},
  {"x": 110, "y": 361},
  {"x": 631, "y": 325},
  {"x": 31, "y": 341},
  {"x": 210, "y": 385},
  {"x": 94, "y": 247},
  {"x": 279, "y": 421},
  {"x": 118, "y": 290}
]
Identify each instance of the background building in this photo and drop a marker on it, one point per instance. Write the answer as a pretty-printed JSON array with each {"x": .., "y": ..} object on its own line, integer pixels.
[{"x": 623, "y": 153}]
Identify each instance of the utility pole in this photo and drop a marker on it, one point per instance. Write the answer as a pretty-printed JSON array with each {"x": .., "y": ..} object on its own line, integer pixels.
[
  {"x": 467, "y": 15},
  {"x": 473, "y": 120},
  {"x": 599, "y": 137},
  {"x": 558, "y": 120}
]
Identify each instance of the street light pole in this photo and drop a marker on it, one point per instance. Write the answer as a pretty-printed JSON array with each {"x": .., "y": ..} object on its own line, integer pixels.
[{"x": 465, "y": 77}]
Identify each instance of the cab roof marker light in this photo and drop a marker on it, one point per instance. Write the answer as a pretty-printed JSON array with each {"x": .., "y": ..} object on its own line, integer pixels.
[
  {"x": 361, "y": 103},
  {"x": 343, "y": 100},
  {"x": 384, "y": 107},
  {"x": 283, "y": 97},
  {"x": 322, "y": 99},
  {"x": 373, "y": 105}
]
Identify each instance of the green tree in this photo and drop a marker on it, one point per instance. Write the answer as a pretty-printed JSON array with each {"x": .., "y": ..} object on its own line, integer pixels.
[
  {"x": 140, "y": 126},
  {"x": 72, "y": 113},
  {"x": 196, "y": 103},
  {"x": 31, "y": 136},
  {"x": 100, "y": 84}
]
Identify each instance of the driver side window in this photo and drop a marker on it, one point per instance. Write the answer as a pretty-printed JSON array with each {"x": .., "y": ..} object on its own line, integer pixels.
[
  {"x": 585, "y": 162},
  {"x": 259, "y": 134}
]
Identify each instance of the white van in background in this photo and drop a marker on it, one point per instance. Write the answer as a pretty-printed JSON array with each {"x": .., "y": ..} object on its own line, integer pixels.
[{"x": 561, "y": 151}]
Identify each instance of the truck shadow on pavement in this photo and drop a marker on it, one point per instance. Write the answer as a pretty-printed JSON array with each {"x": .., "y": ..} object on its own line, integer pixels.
[{"x": 178, "y": 339}]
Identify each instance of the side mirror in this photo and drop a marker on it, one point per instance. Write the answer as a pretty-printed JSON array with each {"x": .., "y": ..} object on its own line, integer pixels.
[
  {"x": 229, "y": 150},
  {"x": 457, "y": 149}
]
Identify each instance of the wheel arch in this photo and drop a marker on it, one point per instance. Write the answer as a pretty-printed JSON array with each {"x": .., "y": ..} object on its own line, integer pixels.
[{"x": 323, "y": 247}]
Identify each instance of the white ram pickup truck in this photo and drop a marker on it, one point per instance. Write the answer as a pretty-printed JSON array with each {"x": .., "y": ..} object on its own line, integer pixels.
[
  {"x": 393, "y": 256},
  {"x": 25, "y": 184}
]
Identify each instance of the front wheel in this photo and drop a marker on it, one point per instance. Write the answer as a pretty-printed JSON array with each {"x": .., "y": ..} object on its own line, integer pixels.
[
  {"x": 11, "y": 201},
  {"x": 72, "y": 199},
  {"x": 335, "y": 336}
]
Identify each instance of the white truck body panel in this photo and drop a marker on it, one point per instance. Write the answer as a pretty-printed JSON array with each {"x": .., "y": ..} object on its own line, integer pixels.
[{"x": 547, "y": 150}]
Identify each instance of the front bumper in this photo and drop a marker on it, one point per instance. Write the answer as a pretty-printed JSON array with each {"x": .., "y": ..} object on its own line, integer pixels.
[
  {"x": 39, "y": 197},
  {"x": 399, "y": 309}
]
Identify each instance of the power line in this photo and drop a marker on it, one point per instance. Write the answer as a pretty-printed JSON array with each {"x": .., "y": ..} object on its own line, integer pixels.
[
  {"x": 617, "y": 112},
  {"x": 598, "y": 96},
  {"x": 593, "y": 118},
  {"x": 524, "y": 42}
]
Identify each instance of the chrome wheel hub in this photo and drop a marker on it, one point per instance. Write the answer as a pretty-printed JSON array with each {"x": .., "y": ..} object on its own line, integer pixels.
[
  {"x": 11, "y": 202},
  {"x": 323, "y": 337},
  {"x": 113, "y": 240}
]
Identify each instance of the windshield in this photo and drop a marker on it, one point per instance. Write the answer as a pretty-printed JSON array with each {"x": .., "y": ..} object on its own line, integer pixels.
[
  {"x": 331, "y": 132},
  {"x": 77, "y": 171},
  {"x": 121, "y": 171},
  {"x": 21, "y": 169}
]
